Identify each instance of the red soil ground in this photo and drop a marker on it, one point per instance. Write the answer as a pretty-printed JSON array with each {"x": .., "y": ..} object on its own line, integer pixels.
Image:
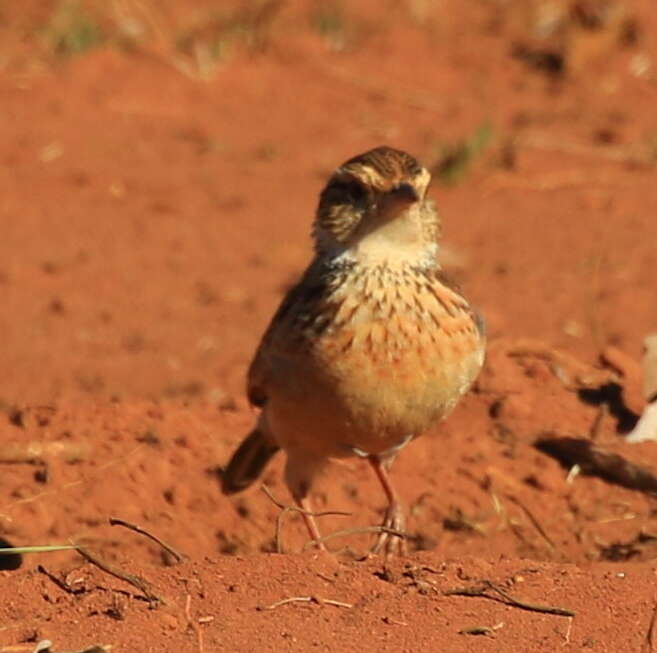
[{"x": 151, "y": 221}]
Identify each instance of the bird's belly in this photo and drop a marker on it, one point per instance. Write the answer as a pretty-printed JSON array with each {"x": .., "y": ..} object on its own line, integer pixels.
[
  {"x": 389, "y": 400},
  {"x": 373, "y": 395}
]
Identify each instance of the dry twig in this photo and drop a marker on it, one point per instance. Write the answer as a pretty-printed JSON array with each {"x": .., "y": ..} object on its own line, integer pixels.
[
  {"x": 63, "y": 585},
  {"x": 596, "y": 461},
  {"x": 192, "y": 624},
  {"x": 649, "y": 641},
  {"x": 179, "y": 557},
  {"x": 136, "y": 581},
  {"x": 503, "y": 597}
]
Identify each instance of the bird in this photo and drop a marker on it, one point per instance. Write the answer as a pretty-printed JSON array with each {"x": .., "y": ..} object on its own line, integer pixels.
[{"x": 372, "y": 346}]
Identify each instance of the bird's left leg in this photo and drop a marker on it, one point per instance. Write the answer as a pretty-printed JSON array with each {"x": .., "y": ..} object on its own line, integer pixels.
[{"x": 299, "y": 473}]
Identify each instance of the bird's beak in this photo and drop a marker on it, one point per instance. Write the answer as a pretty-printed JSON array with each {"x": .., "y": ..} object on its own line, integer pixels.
[
  {"x": 397, "y": 201},
  {"x": 406, "y": 193}
]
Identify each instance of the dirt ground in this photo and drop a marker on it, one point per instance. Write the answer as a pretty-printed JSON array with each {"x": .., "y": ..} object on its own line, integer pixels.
[{"x": 161, "y": 164}]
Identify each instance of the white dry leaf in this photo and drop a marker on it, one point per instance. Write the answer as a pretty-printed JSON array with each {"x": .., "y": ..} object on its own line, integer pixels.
[
  {"x": 42, "y": 646},
  {"x": 646, "y": 427}
]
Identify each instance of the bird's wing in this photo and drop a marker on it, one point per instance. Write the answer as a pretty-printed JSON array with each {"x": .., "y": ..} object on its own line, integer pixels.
[{"x": 288, "y": 323}]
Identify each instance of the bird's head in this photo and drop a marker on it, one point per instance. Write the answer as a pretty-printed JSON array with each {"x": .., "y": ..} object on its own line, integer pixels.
[{"x": 375, "y": 204}]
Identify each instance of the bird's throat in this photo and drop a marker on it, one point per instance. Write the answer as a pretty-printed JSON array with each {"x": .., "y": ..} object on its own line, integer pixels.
[{"x": 396, "y": 242}]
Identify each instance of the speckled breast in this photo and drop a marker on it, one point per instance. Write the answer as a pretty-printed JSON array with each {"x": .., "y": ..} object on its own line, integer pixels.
[{"x": 380, "y": 358}]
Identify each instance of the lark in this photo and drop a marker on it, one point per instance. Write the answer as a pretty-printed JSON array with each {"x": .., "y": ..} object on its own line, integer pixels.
[{"x": 372, "y": 346}]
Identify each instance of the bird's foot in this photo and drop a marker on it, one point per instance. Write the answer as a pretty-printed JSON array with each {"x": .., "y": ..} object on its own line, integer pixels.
[{"x": 392, "y": 538}]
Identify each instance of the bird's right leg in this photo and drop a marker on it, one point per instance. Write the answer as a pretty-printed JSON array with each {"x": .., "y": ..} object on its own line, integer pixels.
[{"x": 392, "y": 538}]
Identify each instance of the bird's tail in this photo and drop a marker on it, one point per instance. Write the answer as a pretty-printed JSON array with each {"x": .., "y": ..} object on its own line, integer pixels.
[{"x": 247, "y": 462}]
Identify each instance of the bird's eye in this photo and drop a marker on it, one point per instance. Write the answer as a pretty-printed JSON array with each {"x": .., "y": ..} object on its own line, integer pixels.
[
  {"x": 349, "y": 191},
  {"x": 356, "y": 191}
]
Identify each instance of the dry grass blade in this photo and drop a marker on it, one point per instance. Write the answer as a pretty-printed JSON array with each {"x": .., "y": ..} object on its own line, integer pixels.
[
  {"x": 535, "y": 523},
  {"x": 48, "y": 548},
  {"x": 304, "y": 599},
  {"x": 404, "y": 94},
  {"x": 637, "y": 153},
  {"x": 36, "y": 452},
  {"x": 125, "y": 458},
  {"x": 574, "y": 374},
  {"x": 285, "y": 509},
  {"x": 357, "y": 531}
]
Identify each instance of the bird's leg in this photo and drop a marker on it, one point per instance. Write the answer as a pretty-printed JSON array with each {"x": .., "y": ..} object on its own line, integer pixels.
[
  {"x": 303, "y": 502},
  {"x": 299, "y": 473},
  {"x": 394, "y": 515}
]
